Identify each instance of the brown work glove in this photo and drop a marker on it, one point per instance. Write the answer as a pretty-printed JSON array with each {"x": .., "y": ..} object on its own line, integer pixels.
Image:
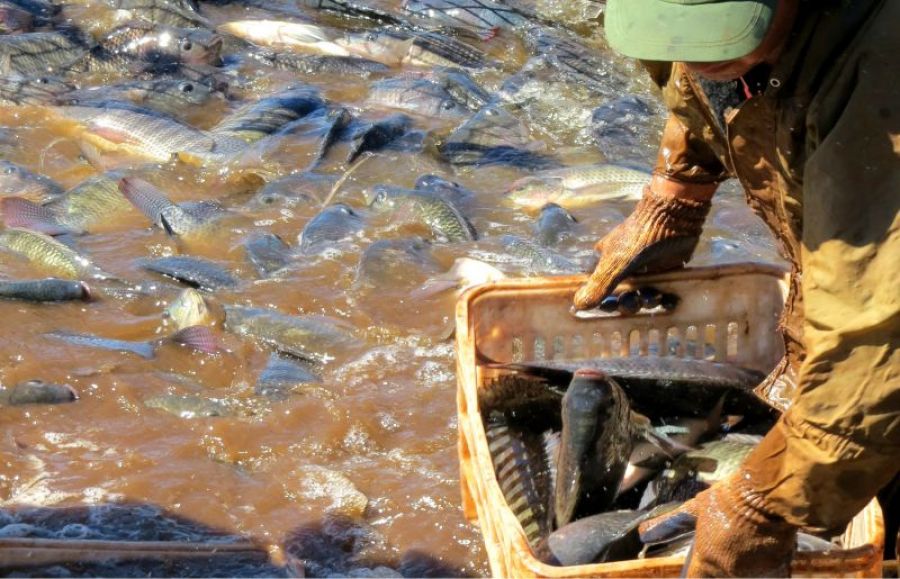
[
  {"x": 660, "y": 234},
  {"x": 736, "y": 536}
]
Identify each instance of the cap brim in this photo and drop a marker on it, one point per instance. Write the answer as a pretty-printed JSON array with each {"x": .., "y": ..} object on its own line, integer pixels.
[{"x": 669, "y": 31}]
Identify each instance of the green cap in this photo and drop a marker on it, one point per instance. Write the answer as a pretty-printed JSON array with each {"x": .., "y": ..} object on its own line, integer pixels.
[{"x": 687, "y": 30}]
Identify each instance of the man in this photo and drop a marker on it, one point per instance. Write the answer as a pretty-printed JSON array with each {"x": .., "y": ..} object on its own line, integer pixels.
[{"x": 800, "y": 100}]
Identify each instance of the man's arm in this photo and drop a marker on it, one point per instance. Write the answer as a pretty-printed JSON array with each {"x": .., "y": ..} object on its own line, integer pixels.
[{"x": 664, "y": 228}]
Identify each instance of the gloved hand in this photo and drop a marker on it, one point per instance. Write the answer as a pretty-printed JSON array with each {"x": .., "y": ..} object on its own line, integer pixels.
[
  {"x": 734, "y": 537},
  {"x": 660, "y": 234}
]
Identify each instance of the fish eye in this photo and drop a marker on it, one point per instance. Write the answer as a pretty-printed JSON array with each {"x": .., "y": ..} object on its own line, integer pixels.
[
  {"x": 43, "y": 80},
  {"x": 186, "y": 87},
  {"x": 447, "y": 105},
  {"x": 186, "y": 44},
  {"x": 9, "y": 170}
]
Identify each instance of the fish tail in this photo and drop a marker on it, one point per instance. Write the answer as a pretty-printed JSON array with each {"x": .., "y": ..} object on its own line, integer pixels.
[
  {"x": 19, "y": 212},
  {"x": 199, "y": 338}
]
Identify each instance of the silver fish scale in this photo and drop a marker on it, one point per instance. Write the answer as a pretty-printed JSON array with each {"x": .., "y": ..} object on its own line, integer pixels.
[
  {"x": 482, "y": 14},
  {"x": 40, "y": 52}
]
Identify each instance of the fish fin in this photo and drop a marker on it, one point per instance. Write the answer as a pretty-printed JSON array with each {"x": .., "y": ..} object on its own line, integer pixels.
[
  {"x": 199, "y": 338},
  {"x": 18, "y": 212},
  {"x": 670, "y": 446},
  {"x": 146, "y": 198},
  {"x": 434, "y": 286}
]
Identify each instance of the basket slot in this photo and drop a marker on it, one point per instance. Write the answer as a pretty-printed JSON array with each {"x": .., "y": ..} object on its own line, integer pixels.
[
  {"x": 654, "y": 346},
  {"x": 731, "y": 349},
  {"x": 540, "y": 349},
  {"x": 517, "y": 346},
  {"x": 559, "y": 347},
  {"x": 599, "y": 346},
  {"x": 675, "y": 345},
  {"x": 710, "y": 342},
  {"x": 578, "y": 349},
  {"x": 691, "y": 346}
]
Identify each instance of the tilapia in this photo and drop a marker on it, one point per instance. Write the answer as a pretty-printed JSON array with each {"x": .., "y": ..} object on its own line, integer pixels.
[
  {"x": 581, "y": 186},
  {"x": 388, "y": 260},
  {"x": 189, "y": 309},
  {"x": 493, "y": 136},
  {"x": 538, "y": 259},
  {"x": 18, "y": 90},
  {"x": 199, "y": 338},
  {"x": 445, "y": 220},
  {"x": 484, "y": 17},
  {"x": 575, "y": 60},
  {"x": 144, "y": 47},
  {"x": 685, "y": 387},
  {"x": 268, "y": 253},
  {"x": 41, "y": 53},
  {"x": 174, "y": 13},
  {"x": 285, "y": 34},
  {"x": 609, "y": 536},
  {"x": 37, "y": 392},
  {"x": 175, "y": 96},
  {"x": 554, "y": 225},
  {"x": 92, "y": 205},
  {"x": 193, "y": 271},
  {"x": 698, "y": 469},
  {"x": 22, "y": 182},
  {"x": 188, "y": 221},
  {"x": 595, "y": 443},
  {"x": 451, "y": 191},
  {"x": 149, "y": 135},
  {"x": 44, "y": 290},
  {"x": 314, "y": 64},
  {"x": 417, "y": 95},
  {"x": 282, "y": 376},
  {"x": 333, "y": 225},
  {"x": 314, "y": 338},
  {"x": 51, "y": 256},
  {"x": 265, "y": 116},
  {"x": 378, "y": 135}
]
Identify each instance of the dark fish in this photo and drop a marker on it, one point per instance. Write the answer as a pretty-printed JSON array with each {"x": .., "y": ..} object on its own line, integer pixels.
[
  {"x": 314, "y": 64},
  {"x": 683, "y": 387},
  {"x": 483, "y": 17},
  {"x": 554, "y": 225},
  {"x": 525, "y": 400},
  {"x": 41, "y": 53},
  {"x": 595, "y": 444},
  {"x": 609, "y": 536},
  {"x": 538, "y": 260},
  {"x": 44, "y": 290},
  {"x": 622, "y": 123},
  {"x": 493, "y": 137},
  {"x": 522, "y": 473},
  {"x": 265, "y": 116},
  {"x": 313, "y": 338},
  {"x": 417, "y": 95},
  {"x": 193, "y": 271},
  {"x": 19, "y": 181},
  {"x": 378, "y": 135},
  {"x": 268, "y": 253},
  {"x": 449, "y": 190},
  {"x": 175, "y": 96},
  {"x": 388, "y": 260},
  {"x": 281, "y": 376},
  {"x": 337, "y": 122},
  {"x": 37, "y": 392},
  {"x": 444, "y": 219},
  {"x": 463, "y": 88},
  {"x": 33, "y": 90},
  {"x": 334, "y": 224},
  {"x": 198, "y": 338},
  {"x": 355, "y": 9},
  {"x": 432, "y": 48}
]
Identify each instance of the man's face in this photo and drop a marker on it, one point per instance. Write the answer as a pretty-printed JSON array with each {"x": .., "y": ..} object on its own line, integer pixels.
[{"x": 767, "y": 51}]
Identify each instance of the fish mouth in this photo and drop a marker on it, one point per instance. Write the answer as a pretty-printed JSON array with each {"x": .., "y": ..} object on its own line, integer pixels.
[{"x": 590, "y": 373}]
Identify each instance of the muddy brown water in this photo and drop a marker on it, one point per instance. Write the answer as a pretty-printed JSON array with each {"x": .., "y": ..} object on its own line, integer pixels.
[{"x": 383, "y": 421}]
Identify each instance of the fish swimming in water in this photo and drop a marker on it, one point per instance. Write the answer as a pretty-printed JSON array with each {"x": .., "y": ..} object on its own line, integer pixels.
[
  {"x": 37, "y": 392},
  {"x": 581, "y": 186},
  {"x": 44, "y": 290},
  {"x": 198, "y": 338}
]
